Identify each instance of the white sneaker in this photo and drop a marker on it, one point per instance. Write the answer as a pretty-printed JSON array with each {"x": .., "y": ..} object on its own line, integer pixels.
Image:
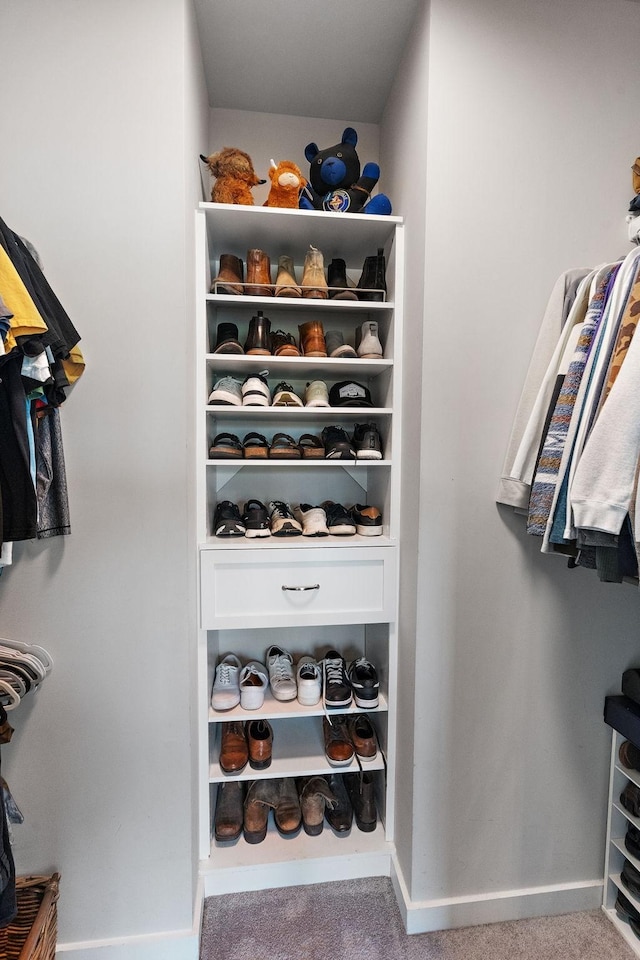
[
  {"x": 370, "y": 347},
  {"x": 309, "y": 678},
  {"x": 226, "y": 391},
  {"x": 313, "y": 520},
  {"x": 255, "y": 392},
  {"x": 316, "y": 394},
  {"x": 281, "y": 678},
  {"x": 226, "y": 691},
  {"x": 254, "y": 681},
  {"x": 285, "y": 396}
]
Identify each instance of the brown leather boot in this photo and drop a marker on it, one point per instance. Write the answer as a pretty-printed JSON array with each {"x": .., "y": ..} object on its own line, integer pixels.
[
  {"x": 234, "y": 753},
  {"x": 315, "y": 795},
  {"x": 288, "y": 815},
  {"x": 314, "y": 285},
  {"x": 229, "y": 810},
  {"x": 262, "y": 796},
  {"x": 286, "y": 284},
  {"x": 260, "y": 742},
  {"x": 229, "y": 279},
  {"x": 312, "y": 339},
  {"x": 258, "y": 282},
  {"x": 258, "y": 337}
]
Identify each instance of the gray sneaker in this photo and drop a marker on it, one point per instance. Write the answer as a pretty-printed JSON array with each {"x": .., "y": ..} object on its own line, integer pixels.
[
  {"x": 227, "y": 391},
  {"x": 281, "y": 678},
  {"x": 336, "y": 347}
]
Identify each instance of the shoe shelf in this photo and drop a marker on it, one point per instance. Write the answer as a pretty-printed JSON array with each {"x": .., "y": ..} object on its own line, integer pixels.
[
  {"x": 301, "y": 304},
  {"x": 285, "y": 368},
  {"x": 618, "y": 820},
  {"x": 273, "y": 709}
]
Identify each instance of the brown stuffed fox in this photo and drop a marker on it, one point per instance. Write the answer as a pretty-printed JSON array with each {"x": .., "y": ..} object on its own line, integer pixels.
[
  {"x": 286, "y": 183},
  {"x": 234, "y": 175}
]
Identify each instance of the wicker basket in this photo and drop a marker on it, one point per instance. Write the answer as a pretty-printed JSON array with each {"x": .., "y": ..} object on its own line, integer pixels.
[{"x": 32, "y": 934}]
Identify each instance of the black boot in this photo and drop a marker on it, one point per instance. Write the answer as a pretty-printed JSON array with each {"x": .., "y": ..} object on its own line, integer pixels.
[
  {"x": 372, "y": 283},
  {"x": 337, "y": 280},
  {"x": 227, "y": 339},
  {"x": 258, "y": 337},
  {"x": 341, "y": 815},
  {"x": 361, "y": 793}
]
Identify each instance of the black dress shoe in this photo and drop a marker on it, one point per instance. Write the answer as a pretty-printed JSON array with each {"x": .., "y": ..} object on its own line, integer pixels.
[
  {"x": 361, "y": 793},
  {"x": 625, "y": 909},
  {"x": 630, "y": 878},
  {"x": 227, "y": 822},
  {"x": 341, "y": 816}
]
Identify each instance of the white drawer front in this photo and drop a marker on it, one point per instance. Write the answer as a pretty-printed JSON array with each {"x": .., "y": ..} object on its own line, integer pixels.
[{"x": 245, "y": 588}]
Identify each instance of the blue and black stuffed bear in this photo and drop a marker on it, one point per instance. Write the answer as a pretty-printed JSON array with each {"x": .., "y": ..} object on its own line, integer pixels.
[{"x": 335, "y": 183}]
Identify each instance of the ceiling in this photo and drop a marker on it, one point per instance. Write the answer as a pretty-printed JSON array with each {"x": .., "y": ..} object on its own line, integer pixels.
[{"x": 334, "y": 60}]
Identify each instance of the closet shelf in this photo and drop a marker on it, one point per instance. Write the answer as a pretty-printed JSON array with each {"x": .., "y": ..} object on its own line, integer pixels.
[
  {"x": 231, "y": 544},
  {"x": 294, "y": 367},
  {"x": 301, "y": 413},
  {"x": 273, "y": 709},
  {"x": 300, "y": 304}
]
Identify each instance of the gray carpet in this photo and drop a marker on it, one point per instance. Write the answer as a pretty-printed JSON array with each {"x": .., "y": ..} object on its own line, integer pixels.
[{"x": 359, "y": 920}]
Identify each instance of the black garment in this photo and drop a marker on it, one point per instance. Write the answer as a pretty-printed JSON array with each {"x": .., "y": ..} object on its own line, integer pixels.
[
  {"x": 18, "y": 494},
  {"x": 8, "y": 904},
  {"x": 51, "y": 478}
]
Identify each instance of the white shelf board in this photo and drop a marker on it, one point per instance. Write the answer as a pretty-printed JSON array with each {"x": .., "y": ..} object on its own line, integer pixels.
[
  {"x": 304, "y": 462},
  {"x": 616, "y": 878},
  {"x": 305, "y": 543},
  {"x": 625, "y": 813},
  {"x": 633, "y": 775},
  {"x": 298, "y": 367},
  {"x": 300, "y": 303},
  {"x": 298, "y": 751},
  {"x": 300, "y": 413},
  {"x": 273, "y": 709},
  {"x": 618, "y": 842},
  {"x": 623, "y": 929}
]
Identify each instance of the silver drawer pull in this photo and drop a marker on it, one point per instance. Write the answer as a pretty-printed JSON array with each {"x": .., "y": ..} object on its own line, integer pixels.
[{"x": 316, "y": 586}]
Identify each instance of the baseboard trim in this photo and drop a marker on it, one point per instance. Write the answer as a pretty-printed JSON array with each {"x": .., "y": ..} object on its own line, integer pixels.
[
  {"x": 423, "y": 916},
  {"x": 169, "y": 945}
]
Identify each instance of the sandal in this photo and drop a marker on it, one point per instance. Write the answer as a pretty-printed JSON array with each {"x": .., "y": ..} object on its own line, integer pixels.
[
  {"x": 311, "y": 446},
  {"x": 284, "y": 447},
  {"x": 225, "y": 446},
  {"x": 255, "y": 446}
]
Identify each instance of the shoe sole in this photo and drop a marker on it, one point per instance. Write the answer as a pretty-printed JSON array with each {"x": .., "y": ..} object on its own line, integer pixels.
[
  {"x": 223, "y": 709},
  {"x": 313, "y": 830},
  {"x": 338, "y": 703},
  {"x": 260, "y": 764},
  {"x": 255, "y": 836},
  {"x": 287, "y": 402},
  {"x": 365, "y": 704},
  {"x": 251, "y": 703},
  {"x": 285, "y": 453},
  {"x": 256, "y": 453},
  {"x": 342, "y": 530},
  {"x": 318, "y": 403},
  {"x": 341, "y": 452},
  {"x": 234, "y": 771},
  {"x": 258, "y": 352},
  {"x": 262, "y": 402},
  {"x": 307, "y": 701},
  {"x": 225, "y": 400},
  {"x": 282, "y": 699},
  {"x": 368, "y": 758},
  {"x": 227, "y": 838},
  {"x": 370, "y": 356},
  {"x": 368, "y": 531},
  {"x": 344, "y": 352},
  {"x": 287, "y": 530},
  {"x": 289, "y": 833},
  {"x": 253, "y": 534},
  {"x": 224, "y": 532},
  {"x": 368, "y": 455},
  {"x": 339, "y": 763},
  {"x": 366, "y": 826},
  {"x": 315, "y": 533}
]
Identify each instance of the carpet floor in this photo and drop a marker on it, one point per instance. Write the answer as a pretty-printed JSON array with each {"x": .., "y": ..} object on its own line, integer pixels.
[{"x": 360, "y": 920}]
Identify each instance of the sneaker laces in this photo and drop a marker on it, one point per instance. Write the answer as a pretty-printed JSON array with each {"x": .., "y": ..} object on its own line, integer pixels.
[
  {"x": 224, "y": 672},
  {"x": 281, "y": 669}
]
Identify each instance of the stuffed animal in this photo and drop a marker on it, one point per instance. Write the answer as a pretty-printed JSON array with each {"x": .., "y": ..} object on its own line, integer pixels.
[
  {"x": 234, "y": 175},
  {"x": 335, "y": 181},
  {"x": 286, "y": 183}
]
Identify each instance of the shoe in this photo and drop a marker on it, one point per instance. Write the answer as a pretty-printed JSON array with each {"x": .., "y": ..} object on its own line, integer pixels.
[
  {"x": 337, "y": 689},
  {"x": 282, "y": 521},
  {"x": 338, "y": 748},
  {"x": 314, "y": 285},
  {"x": 311, "y": 446},
  {"x": 337, "y": 280},
  {"x": 227, "y": 339},
  {"x": 335, "y": 345},
  {"x": 630, "y": 878},
  {"x": 309, "y": 681},
  {"x": 312, "y": 519},
  {"x": 255, "y": 446},
  {"x": 229, "y": 815},
  {"x": 368, "y": 346},
  {"x": 315, "y": 797},
  {"x": 363, "y": 679},
  {"x": 632, "y": 841},
  {"x": 234, "y": 752},
  {"x": 256, "y": 520},
  {"x": 286, "y": 284},
  {"x": 284, "y": 344},
  {"x": 227, "y": 522},
  {"x": 285, "y": 396},
  {"x": 262, "y": 796},
  {"x": 366, "y": 440},
  {"x": 629, "y": 755},
  {"x": 253, "y": 682},
  {"x": 630, "y": 799},
  {"x": 225, "y": 694},
  {"x": 284, "y": 447},
  {"x": 225, "y": 446},
  {"x": 281, "y": 679},
  {"x": 258, "y": 341},
  {"x": 226, "y": 391},
  {"x": 360, "y": 787},
  {"x": 258, "y": 283},
  {"x": 255, "y": 391},
  {"x": 260, "y": 743},
  {"x": 372, "y": 283},
  {"x": 316, "y": 394},
  {"x": 287, "y": 813},
  {"x": 625, "y": 909},
  {"x": 229, "y": 279},
  {"x": 340, "y": 523},
  {"x": 368, "y": 520},
  {"x": 363, "y": 736},
  {"x": 340, "y": 815},
  {"x": 337, "y": 445},
  {"x": 312, "y": 342}
]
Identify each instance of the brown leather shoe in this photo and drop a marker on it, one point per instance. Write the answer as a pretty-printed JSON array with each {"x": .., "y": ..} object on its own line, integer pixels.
[
  {"x": 228, "y": 817},
  {"x": 234, "y": 753},
  {"x": 315, "y": 796},
  {"x": 337, "y": 742},
  {"x": 314, "y": 284},
  {"x": 288, "y": 815},
  {"x": 260, "y": 743},
  {"x": 262, "y": 795},
  {"x": 312, "y": 339},
  {"x": 258, "y": 283},
  {"x": 286, "y": 284},
  {"x": 363, "y": 736},
  {"x": 229, "y": 279},
  {"x": 284, "y": 344}
]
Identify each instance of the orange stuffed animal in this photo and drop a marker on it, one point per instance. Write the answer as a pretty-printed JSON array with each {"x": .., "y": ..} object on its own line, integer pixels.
[
  {"x": 234, "y": 175},
  {"x": 286, "y": 183}
]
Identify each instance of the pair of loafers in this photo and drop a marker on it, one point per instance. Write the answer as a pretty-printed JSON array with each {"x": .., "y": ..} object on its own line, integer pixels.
[{"x": 242, "y": 743}]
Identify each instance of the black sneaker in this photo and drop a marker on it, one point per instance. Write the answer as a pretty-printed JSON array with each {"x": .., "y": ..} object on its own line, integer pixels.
[
  {"x": 282, "y": 521},
  {"x": 256, "y": 519},
  {"x": 366, "y": 440},
  {"x": 227, "y": 521},
  {"x": 336, "y": 686},
  {"x": 340, "y": 523},
  {"x": 368, "y": 520},
  {"x": 363, "y": 677},
  {"x": 337, "y": 445}
]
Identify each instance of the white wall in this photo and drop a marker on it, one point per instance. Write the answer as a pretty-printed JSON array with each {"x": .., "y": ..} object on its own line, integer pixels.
[
  {"x": 96, "y": 136},
  {"x": 528, "y": 172}
]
